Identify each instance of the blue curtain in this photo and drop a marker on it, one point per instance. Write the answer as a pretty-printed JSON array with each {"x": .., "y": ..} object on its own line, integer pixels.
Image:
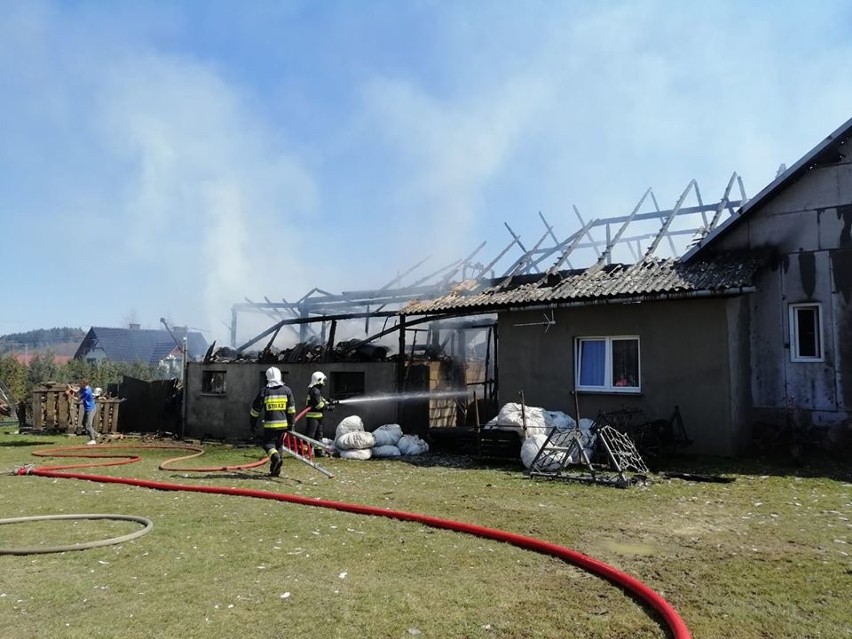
[{"x": 592, "y": 362}]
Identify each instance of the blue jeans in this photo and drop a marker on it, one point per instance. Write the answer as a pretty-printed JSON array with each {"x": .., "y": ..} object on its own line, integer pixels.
[{"x": 88, "y": 423}]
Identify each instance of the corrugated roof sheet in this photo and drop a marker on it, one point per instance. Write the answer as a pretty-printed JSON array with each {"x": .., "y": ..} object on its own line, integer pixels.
[{"x": 647, "y": 279}]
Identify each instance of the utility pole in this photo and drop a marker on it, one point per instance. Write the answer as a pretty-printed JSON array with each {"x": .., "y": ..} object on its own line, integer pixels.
[{"x": 182, "y": 345}]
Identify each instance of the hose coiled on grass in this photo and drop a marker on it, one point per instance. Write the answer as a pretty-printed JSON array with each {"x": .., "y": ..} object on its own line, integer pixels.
[
  {"x": 34, "y": 550},
  {"x": 633, "y": 586}
]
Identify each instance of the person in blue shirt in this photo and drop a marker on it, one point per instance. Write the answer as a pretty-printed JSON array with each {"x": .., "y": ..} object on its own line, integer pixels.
[{"x": 87, "y": 399}]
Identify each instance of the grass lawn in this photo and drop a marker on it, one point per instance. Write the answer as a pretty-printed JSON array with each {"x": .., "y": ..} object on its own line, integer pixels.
[{"x": 764, "y": 556}]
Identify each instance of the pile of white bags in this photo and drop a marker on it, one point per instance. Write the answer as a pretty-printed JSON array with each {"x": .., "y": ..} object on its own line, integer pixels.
[
  {"x": 352, "y": 441},
  {"x": 513, "y": 416},
  {"x": 553, "y": 460},
  {"x": 534, "y": 424},
  {"x": 387, "y": 437}
]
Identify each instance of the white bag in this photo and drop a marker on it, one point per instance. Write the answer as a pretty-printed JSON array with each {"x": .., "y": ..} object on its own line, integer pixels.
[
  {"x": 356, "y": 440},
  {"x": 412, "y": 445},
  {"x": 513, "y": 416},
  {"x": 387, "y": 435},
  {"x": 559, "y": 420},
  {"x": 360, "y": 454},
  {"x": 548, "y": 462},
  {"x": 386, "y": 451},
  {"x": 348, "y": 425}
]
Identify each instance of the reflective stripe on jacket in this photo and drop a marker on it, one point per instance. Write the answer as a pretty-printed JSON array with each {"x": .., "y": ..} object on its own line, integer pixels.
[
  {"x": 315, "y": 402},
  {"x": 278, "y": 407}
]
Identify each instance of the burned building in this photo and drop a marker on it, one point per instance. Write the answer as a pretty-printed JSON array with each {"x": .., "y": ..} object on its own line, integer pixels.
[
  {"x": 427, "y": 379},
  {"x": 749, "y": 328},
  {"x": 727, "y": 314}
]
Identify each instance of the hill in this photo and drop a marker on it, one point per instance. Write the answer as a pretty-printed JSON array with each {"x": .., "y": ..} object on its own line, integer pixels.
[{"x": 60, "y": 341}]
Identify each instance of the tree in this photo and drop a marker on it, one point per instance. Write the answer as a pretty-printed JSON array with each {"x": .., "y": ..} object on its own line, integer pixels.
[
  {"x": 13, "y": 374},
  {"x": 21, "y": 380},
  {"x": 42, "y": 368}
]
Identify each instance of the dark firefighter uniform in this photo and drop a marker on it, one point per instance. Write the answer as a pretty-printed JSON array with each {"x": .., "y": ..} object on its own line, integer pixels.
[
  {"x": 317, "y": 406},
  {"x": 275, "y": 401}
]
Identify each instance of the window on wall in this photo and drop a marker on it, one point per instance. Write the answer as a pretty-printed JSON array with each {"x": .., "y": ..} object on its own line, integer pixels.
[
  {"x": 608, "y": 364},
  {"x": 346, "y": 384},
  {"x": 805, "y": 333},
  {"x": 213, "y": 382}
]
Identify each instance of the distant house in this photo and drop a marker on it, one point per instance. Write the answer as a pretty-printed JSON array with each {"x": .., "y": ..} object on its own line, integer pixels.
[
  {"x": 751, "y": 323},
  {"x": 137, "y": 345}
]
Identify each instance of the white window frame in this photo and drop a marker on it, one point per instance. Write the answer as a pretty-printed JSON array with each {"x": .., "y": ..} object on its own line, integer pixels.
[
  {"x": 795, "y": 356},
  {"x": 608, "y": 386}
]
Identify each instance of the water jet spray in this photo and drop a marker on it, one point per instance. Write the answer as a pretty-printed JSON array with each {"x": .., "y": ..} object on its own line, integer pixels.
[{"x": 401, "y": 397}]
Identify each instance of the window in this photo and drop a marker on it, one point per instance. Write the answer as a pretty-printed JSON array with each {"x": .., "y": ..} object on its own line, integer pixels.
[
  {"x": 805, "y": 333},
  {"x": 213, "y": 382},
  {"x": 608, "y": 364},
  {"x": 346, "y": 384}
]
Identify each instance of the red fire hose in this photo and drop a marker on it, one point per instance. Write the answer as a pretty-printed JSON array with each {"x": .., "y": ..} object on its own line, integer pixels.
[{"x": 635, "y": 587}]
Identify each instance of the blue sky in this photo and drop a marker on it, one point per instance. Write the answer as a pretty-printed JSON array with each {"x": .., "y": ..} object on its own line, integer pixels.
[{"x": 168, "y": 159}]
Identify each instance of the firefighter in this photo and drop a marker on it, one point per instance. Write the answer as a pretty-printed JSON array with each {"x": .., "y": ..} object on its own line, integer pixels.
[
  {"x": 317, "y": 406},
  {"x": 276, "y": 402}
]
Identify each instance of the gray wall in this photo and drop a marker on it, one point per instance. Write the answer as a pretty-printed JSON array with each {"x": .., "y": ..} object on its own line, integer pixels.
[
  {"x": 692, "y": 354},
  {"x": 226, "y": 416},
  {"x": 808, "y": 224}
]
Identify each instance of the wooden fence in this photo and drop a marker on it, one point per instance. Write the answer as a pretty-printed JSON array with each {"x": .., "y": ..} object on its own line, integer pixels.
[{"x": 53, "y": 409}]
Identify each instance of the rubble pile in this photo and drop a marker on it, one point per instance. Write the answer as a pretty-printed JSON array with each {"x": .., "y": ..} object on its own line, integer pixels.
[{"x": 303, "y": 352}]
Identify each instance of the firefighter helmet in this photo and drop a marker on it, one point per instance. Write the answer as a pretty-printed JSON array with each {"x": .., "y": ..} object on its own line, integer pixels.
[{"x": 273, "y": 376}]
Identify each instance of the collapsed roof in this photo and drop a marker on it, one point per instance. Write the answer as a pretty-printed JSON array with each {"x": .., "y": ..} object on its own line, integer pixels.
[{"x": 470, "y": 287}]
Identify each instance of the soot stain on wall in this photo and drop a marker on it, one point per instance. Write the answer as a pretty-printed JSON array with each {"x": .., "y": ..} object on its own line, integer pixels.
[
  {"x": 845, "y": 355},
  {"x": 807, "y": 273},
  {"x": 845, "y": 213},
  {"x": 841, "y": 267}
]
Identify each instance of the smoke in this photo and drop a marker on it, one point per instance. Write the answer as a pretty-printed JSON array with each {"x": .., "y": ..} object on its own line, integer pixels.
[
  {"x": 210, "y": 203},
  {"x": 263, "y": 151},
  {"x": 453, "y": 150}
]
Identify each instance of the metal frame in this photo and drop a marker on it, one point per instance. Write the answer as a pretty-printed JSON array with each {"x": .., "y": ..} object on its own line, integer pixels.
[
  {"x": 614, "y": 461},
  {"x": 386, "y": 301}
]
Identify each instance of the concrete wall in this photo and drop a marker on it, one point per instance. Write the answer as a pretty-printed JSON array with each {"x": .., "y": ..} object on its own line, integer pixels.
[
  {"x": 809, "y": 224},
  {"x": 693, "y": 354},
  {"x": 226, "y": 416},
  {"x": 738, "y": 311}
]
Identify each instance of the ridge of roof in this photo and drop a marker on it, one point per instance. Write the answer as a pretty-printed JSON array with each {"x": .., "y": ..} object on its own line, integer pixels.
[{"x": 793, "y": 173}]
